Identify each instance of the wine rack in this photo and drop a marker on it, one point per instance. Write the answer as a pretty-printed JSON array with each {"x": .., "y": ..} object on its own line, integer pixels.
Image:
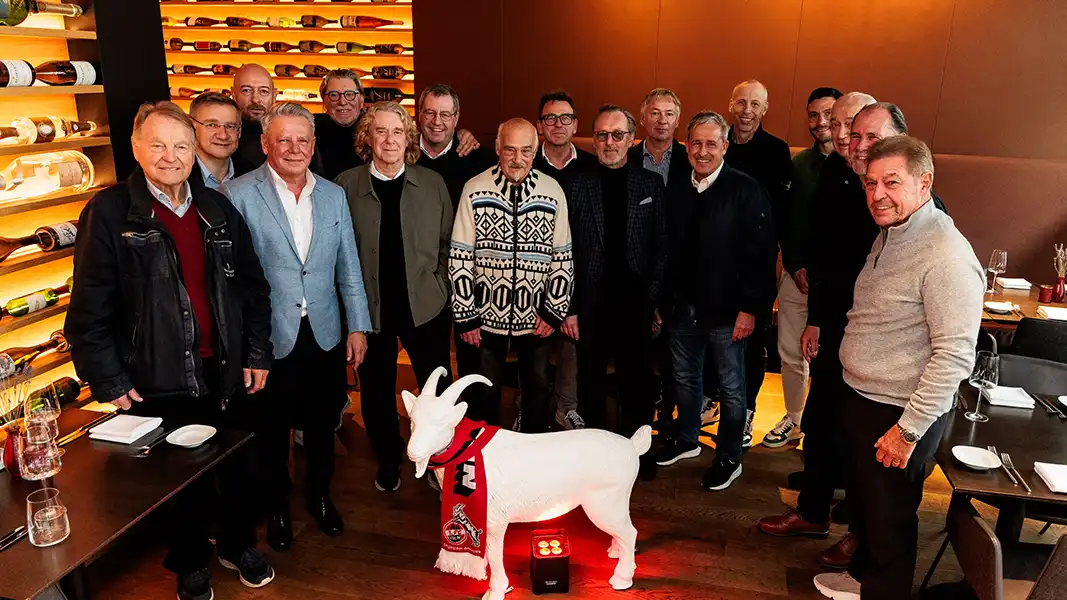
[
  {"x": 175, "y": 14},
  {"x": 39, "y": 39}
]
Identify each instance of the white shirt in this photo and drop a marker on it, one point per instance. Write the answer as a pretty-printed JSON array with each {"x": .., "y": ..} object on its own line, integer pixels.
[
  {"x": 164, "y": 199},
  {"x": 574, "y": 155},
  {"x": 298, "y": 212},
  {"x": 375, "y": 173},
  {"x": 431, "y": 156},
  {"x": 705, "y": 183}
]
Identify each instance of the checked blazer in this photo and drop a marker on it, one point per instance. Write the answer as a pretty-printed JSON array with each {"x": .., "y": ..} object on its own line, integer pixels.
[{"x": 646, "y": 235}]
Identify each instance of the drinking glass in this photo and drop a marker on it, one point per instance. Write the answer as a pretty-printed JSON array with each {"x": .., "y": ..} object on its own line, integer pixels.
[
  {"x": 38, "y": 452},
  {"x": 45, "y": 407},
  {"x": 985, "y": 376},
  {"x": 46, "y": 518},
  {"x": 998, "y": 263}
]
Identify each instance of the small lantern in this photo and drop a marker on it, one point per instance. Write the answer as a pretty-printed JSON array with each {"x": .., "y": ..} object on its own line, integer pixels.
[{"x": 549, "y": 561}]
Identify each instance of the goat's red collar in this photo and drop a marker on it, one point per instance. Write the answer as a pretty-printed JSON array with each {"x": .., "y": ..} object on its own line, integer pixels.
[{"x": 468, "y": 433}]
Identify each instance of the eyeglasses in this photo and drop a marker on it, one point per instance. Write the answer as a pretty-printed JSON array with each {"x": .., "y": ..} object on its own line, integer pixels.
[
  {"x": 564, "y": 119},
  {"x": 618, "y": 136},
  {"x": 214, "y": 126},
  {"x": 431, "y": 115},
  {"x": 349, "y": 95}
]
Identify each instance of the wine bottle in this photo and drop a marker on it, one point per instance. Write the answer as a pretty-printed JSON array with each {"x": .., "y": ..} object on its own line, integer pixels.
[
  {"x": 361, "y": 22},
  {"x": 286, "y": 22},
  {"x": 295, "y": 95},
  {"x": 390, "y": 72},
  {"x": 63, "y": 390},
  {"x": 315, "y": 70},
  {"x": 242, "y": 22},
  {"x": 384, "y": 94},
  {"x": 16, "y": 73},
  {"x": 278, "y": 47},
  {"x": 36, "y": 175},
  {"x": 69, "y": 72},
  {"x": 315, "y": 21},
  {"x": 167, "y": 21},
  {"x": 42, "y": 130},
  {"x": 219, "y": 69},
  {"x": 14, "y": 12},
  {"x": 286, "y": 70},
  {"x": 242, "y": 45},
  {"x": 201, "y": 22},
  {"x": 391, "y": 48},
  {"x": 14, "y": 360},
  {"x": 35, "y": 301},
  {"x": 185, "y": 92},
  {"x": 188, "y": 69},
  {"x": 352, "y": 47},
  {"x": 311, "y": 46}
]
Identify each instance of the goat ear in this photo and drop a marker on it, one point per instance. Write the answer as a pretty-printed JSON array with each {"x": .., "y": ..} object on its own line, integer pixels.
[
  {"x": 409, "y": 400},
  {"x": 458, "y": 412}
]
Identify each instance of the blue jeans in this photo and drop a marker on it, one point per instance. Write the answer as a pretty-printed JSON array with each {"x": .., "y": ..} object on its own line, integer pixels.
[{"x": 690, "y": 342}]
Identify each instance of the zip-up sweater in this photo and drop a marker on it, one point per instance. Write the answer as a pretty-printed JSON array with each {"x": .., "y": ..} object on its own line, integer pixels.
[
  {"x": 511, "y": 259},
  {"x": 915, "y": 316}
]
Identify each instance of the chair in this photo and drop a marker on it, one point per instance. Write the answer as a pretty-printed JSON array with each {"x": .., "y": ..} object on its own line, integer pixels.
[
  {"x": 1041, "y": 338},
  {"x": 979, "y": 553},
  {"x": 1036, "y": 375}
]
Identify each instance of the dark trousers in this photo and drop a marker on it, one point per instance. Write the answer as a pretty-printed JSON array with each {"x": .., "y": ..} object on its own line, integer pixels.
[
  {"x": 306, "y": 391},
  {"x": 884, "y": 501},
  {"x": 824, "y": 455},
  {"x": 756, "y": 361},
  {"x": 534, "y": 353},
  {"x": 428, "y": 348},
  {"x": 223, "y": 497},
  {"x": 625, "y": 336}
]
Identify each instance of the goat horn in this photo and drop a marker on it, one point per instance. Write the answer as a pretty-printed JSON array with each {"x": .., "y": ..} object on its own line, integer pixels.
[
  {"x": 431, "y": 382},
  {"x": 452, "y": 393}
]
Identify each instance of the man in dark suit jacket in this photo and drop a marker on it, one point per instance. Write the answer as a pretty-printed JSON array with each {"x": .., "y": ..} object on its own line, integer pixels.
[
  {"x": 620, "y": 255},
  {"x": 659, "y": 152}
]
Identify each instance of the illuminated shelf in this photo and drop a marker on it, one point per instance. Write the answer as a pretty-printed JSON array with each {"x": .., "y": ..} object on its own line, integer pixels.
[
  {"x": 50, "y": 362},
  {"x": 305, "y": 30},
  {"x": 32, "y": 259},
  {"x": 290, "y": 5},
  {"x": 19, "y": 206},
  {"x": 408, "y": 102},
  {"x": 49, "y": 90},
  {"x": 39, "y": 32},
  {"x": 71, "y": 144},
  {"x": 9, "y": 323},
  {"x": 315, "y": 80},
  {"x": 335, "y": 53}
]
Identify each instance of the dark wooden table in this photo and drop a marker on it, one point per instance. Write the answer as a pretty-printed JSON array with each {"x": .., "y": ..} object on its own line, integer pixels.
[
  {"x": 1027, "y": 302},
  {"x": 106, "y": 492}
]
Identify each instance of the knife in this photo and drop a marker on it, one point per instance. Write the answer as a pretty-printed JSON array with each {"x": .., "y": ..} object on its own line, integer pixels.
[
  {"x": 1050, "y": 406},
  {"x": 10, "y": 539},
  {"x": 1004, "y": 458},
  {"x": 84, "y": 429}
]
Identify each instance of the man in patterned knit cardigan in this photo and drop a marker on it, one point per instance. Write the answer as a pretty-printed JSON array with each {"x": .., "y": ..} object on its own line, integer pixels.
[{"x": 511, "y": 270}]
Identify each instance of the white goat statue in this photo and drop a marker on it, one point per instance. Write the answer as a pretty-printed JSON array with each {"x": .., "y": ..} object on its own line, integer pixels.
[{"x": 534, "y": 477}]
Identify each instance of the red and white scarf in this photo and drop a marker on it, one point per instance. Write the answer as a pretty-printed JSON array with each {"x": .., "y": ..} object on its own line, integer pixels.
[{"x": 464, "y": 500}]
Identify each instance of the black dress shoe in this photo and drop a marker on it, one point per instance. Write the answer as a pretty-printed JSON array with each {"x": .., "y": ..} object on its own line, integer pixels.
[
  {"x": 280, "y": 532},
  {"x": 326, "y": 515}
]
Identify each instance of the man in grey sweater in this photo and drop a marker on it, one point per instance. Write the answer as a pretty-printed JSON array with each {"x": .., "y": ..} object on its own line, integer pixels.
[{"x": 909, "y": 343}]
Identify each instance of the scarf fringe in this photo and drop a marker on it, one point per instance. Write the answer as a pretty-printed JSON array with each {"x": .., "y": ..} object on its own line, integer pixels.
[{"x": 462, "y": 563}]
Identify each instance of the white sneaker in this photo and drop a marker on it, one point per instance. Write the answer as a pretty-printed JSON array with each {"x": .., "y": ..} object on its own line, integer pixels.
[
  {"x": 838, "y": 586},
  {"x": 570, "y": 420},
  {"x": 709, "y": 412},
  {"x": 746, "y": 438},
  {"x": 784, "y": 432}
]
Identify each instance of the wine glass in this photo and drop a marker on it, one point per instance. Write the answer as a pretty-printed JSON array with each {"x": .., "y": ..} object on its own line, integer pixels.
[
  {"x": 45, "y": 406},
  {"x": 985, "y": 376},
  {"x": 38, "y": 453},
  {"x": 46, "y": 518},
  {"x": 998, "y": 263}
]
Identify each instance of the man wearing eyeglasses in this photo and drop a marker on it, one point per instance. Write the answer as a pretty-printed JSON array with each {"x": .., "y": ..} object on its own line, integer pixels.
[
  {"x": 454, "y": 156},
  {"x": 218, "y": 128},
  {"x": 335, "y": 128},
  {"x": 253, "y": 91},
  {"x": 557, "y": 122}
]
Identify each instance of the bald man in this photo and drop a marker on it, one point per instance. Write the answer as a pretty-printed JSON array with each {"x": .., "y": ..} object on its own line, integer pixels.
[
  {"x": 500, "y": 301},
  {"x": 253, "y": 91}
]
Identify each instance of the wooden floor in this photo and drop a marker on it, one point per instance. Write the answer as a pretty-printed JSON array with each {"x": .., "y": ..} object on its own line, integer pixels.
[{"x": 692, "y": 544}]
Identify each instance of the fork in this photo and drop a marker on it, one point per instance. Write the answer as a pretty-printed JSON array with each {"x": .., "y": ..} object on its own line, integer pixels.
[
  {"x": 1004, "y": 458},
  {"x": 993, "y": 449}
]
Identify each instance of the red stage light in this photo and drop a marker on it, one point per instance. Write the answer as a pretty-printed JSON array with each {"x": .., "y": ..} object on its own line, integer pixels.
[{"x": 549, "y": 561}]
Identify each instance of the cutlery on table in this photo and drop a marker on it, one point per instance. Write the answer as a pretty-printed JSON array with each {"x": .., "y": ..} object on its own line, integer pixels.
[
  {"x": 1044, "y": 405},
  {"x": 1051, "y": 404},
  {"x": 993, "y": 449},
  {"x": 84, "y": 429},
  {"x": 13, "y": 537},
  {"x": 144, "y": 450},
  {"x": 1004, "y": 458}
]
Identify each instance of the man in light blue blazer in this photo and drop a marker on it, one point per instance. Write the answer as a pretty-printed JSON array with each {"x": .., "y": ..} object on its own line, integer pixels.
[{"x": 302, "y": 231}]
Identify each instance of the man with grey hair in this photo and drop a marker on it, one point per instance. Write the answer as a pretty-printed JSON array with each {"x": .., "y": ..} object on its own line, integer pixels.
[
  {"x": 660, "y": 111},
  {"x": 218, "y": 131},
  {"x": 303, "y": 234},
  {"x": 171, "y": 318},
  {"x": 910, "y": 340},
  {"x": 721, "y": 276},
  {"x": 620, "y": 257},
  {"x": 335, "y": 127}
]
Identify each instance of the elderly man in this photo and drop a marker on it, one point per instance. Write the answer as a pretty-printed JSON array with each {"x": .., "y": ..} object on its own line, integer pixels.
[
  {"x": 218, "y": 129},
  {"x": 793, "y": 282},
  {"x": 403, "y": 220},
  {"x": 302, "y": 230},
  {"x": 160, "y": 259},
  {"x": 620, "y": 254},
  {"x": 500, "y": 300},
  {"x": 721, "y": 276},
  {"x": 335, "y": 127},
  {"x": 910, "y": 340},
  {"x": 659, "y": 152},
  {"x": 253, "y": 91}
]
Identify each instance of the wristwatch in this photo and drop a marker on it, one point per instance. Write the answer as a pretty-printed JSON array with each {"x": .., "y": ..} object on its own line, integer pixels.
[{"x": 910, "y": 437}]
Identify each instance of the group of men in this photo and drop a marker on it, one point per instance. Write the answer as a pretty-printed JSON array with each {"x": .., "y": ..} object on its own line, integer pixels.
[{"x": 257, "y": 248}]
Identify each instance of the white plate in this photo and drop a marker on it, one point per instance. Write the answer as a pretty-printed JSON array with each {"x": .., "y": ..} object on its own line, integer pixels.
[
  {"x": 976, "y": 458},
  {"x": 1002, "y": 308},
  {"x": 191, "y": 436}
]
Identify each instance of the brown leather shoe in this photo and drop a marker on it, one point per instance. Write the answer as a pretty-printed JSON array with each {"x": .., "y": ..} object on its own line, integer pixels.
[
  {"x": 840, "y": 554},
  {"x": 791, "y": 524}
]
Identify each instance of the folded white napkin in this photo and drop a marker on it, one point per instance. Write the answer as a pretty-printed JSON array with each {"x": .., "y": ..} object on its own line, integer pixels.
[
  {"x": 1012, "y": 397},
  {"x": 1013, "y": 283},
  {"x": 1052, "y": 312},
  {"x": 124, "y": 429},
  {"x": 1054, "y": 476}
]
